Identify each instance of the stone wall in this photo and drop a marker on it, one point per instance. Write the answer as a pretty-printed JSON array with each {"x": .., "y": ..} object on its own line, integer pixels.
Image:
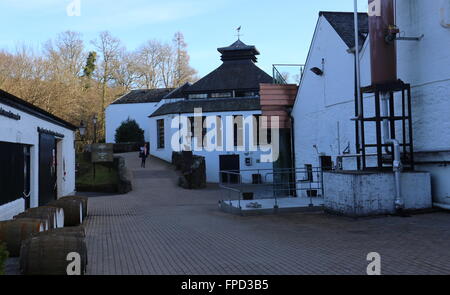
[
  {"x": 193, "y": 169},
  {"x": 359, "y": 194}
]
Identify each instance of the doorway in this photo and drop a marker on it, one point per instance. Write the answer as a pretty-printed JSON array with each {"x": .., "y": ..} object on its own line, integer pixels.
[
  {"x": 48, "y": 189},
  {"x": 14, "y": 173},
  {"x": 229, "y": 163}
]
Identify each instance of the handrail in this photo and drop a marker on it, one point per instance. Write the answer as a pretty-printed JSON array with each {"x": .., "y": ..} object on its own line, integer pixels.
[
  {"x": 228, "y": 173},
  {"x": 315, "y": 183},
  {"x": 278, "y": 77}
]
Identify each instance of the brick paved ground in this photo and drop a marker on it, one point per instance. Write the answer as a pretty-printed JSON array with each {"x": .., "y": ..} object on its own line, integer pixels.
[{"x": 162, "y": 229}]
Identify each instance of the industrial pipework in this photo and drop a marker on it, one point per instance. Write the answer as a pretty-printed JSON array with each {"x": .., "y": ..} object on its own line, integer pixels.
[
  {"x": 382, "y": 30},
  {"x": 383, "y": 48},
  {"x": 398, "y": 167}
]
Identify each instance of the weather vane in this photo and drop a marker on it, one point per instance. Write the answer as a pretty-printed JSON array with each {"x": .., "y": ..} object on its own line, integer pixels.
[{"x": 239, "y": 32}]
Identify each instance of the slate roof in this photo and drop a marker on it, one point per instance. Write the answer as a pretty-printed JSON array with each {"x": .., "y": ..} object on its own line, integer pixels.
[
  {"x": 143, "y": 96},
  {"x": 24, "y": 106},
  {"x": 232, "y": 75},
  {"x": 178, "y": 92},
  {"x": 238, "y": 71},
  {"x": 343, "y": 23},
  {"x": 209, "y": 105}
]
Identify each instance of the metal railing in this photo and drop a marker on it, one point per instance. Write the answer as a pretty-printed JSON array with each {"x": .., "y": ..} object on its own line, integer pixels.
[
  {"x": 278, "y": 183},
  {"x": 284, "y": 77}
]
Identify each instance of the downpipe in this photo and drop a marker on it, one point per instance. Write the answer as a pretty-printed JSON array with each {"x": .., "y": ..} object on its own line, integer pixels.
[{"x": 397, "y": 163}]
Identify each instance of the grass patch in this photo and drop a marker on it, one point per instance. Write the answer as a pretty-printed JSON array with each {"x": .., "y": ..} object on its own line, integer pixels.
[{"x": 105, "y": 174}]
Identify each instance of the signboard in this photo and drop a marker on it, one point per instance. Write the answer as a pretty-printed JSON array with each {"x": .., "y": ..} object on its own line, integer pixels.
[{"x": 102, "y": 153}]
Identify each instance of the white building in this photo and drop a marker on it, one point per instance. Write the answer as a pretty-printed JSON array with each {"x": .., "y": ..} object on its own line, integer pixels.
[
  {"x": 135, "y": 105},
  {"x": 325, "y": 104},
  {"x": 37, "y": 156},
  {"x": 230, "y": 91}
]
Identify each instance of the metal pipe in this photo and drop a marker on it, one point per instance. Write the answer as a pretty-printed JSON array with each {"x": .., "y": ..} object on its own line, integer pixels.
[
  {"x": 358, "y": 73},
  {"x": 385, "y": 111},
  {"x": 399, "y": 203},
  {"x": 383, "y": 54}
]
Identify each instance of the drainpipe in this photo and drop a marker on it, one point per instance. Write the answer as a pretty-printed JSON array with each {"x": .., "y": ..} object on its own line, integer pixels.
[
  {"x": 399, "y": 203},
  {"x": 358, "y": 76},
  {"x": 294, "y": 164}
]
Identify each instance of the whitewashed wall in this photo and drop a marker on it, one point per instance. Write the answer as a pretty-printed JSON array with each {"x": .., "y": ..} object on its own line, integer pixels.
[
  {"x": 324, "y": 101},
  {"x": 118, "y": 113},
  {"x": 211, "y": 158},
  {"x": 25, "y": 131}
]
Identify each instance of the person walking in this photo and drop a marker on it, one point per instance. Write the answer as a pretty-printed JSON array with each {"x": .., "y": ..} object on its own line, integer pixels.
[{"x": 143, "y": 155}]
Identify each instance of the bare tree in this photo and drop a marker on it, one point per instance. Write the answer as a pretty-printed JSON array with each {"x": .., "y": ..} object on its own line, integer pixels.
[
  {"x": 167, "y": 66},
  {"x": 55, "y": 77},
  {"x": 66, "y": 53},
  {"x": 183, "y": 71},
  {"x": 126, "y": 71},
  {"x": 148, "y": 60},
  {"x": 109, "y": 49}
]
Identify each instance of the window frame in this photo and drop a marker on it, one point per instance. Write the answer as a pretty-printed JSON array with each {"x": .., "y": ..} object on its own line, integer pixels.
[{"x": 160, "y": 134}]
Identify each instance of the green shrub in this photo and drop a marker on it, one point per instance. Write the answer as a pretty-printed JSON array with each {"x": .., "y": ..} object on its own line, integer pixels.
[
  {"x": 3, "y": 256},
  {"x": 129, "y": 131}
]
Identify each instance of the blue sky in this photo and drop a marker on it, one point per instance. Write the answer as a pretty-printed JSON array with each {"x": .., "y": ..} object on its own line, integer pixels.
[{"x": 281, "y": 30}]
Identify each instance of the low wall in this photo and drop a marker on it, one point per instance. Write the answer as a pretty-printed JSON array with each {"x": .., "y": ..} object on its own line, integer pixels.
[{"x": 359, "y": 194}]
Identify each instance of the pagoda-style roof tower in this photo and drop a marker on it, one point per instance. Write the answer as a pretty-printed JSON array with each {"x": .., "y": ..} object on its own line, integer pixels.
[
  {"x": 237, "y": 74},
  {"x": 239, "y": 51}
]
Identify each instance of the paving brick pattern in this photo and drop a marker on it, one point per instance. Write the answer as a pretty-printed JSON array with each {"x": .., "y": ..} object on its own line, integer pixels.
[{"x": 159, "y": 228}]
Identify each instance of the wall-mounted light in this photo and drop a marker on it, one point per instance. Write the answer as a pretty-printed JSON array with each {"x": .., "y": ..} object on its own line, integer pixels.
[{"x": 317, "y": 71}]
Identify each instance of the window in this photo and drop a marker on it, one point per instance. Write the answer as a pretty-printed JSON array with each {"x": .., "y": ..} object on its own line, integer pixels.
[
  {"x": 199, "y": 131},
  {"x": 326, "y": 163},
  {"x": 256, "y": 125},
  {"x": 265, "y": 136},
  {"x": 160, "y": 133},
  {"x": 198, "y": 96},
  {"x": 309, "y": 172},
  {"x": 221, "y": 95},
  {"x": 219, "y": 140},
  {"x": 238, "y": 132},
  {"x": 245, "y": 94}
]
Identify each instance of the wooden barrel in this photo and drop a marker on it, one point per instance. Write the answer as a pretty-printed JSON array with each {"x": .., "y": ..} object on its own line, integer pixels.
[
  {"x": 73, "y": 211},
  {"x": 84, "y": 201},
  {"x": 13, "y": 232},
  {"x": 76, "y": 231},
  {"x": 47, "y": 254},
  {"x": 54, "y": 215}
]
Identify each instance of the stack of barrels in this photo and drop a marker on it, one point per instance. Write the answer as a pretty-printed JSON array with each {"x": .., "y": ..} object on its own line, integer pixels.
[{"x": 49, "y": 240}]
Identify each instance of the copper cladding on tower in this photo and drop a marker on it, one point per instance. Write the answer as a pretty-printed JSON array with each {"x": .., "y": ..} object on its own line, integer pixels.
[{"x": 383, "y": 53}]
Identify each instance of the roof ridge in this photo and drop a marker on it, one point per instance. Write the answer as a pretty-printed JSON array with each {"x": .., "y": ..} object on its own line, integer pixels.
[
  {"x": 341, "y": 12},
  {"x": 33, "y": 110}
]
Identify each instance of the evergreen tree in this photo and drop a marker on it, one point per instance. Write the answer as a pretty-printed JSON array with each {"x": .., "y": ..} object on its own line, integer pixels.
[
  {"x": 90, "y": 64},
  {"x": 129, "y": 131}
]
